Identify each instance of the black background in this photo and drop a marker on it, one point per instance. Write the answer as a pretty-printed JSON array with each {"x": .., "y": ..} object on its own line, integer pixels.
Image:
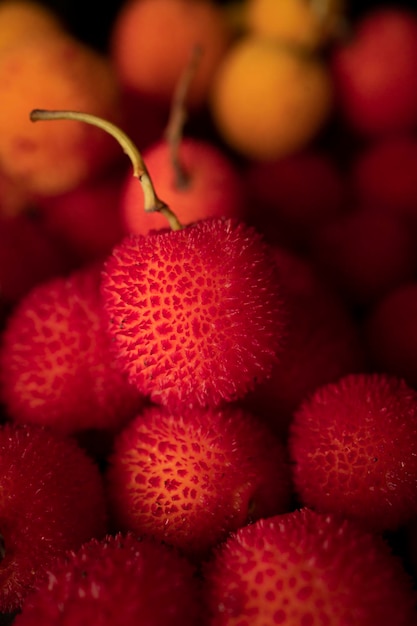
[{"x": 91, "y": 21}]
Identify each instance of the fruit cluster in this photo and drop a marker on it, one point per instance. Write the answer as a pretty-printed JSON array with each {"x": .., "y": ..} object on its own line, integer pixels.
[{"x": 208, "y": 372}]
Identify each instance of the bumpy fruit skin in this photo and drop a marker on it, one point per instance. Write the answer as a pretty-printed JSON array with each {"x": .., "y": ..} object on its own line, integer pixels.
[
  {"x": 354, "y": 448},
  {"x": 305, "y": 568},
  {"x": 190, "y": 478},
  {"x": 196, "y": 314},
  {"x": 121, "y": 579},
  {"x": 56, "y": 366},
  {"x": 52, "y": 500}
]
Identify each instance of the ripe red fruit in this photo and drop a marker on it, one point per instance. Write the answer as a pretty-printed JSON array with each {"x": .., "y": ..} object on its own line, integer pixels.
[
  {"x": 291, "y": 195},
  {"x": 28, "y": 256},
  {"x": 196, "y": 314},
  {"x": 305, "y": 568},
  {"x": 52, "y": 501},
  {"x": 375, "y": 97},
  {"x": 56, "y": 367},
  {"x": 363, "y": 254},
  {"x": 384, "y": 175},
  {"x": 390, "y": 333},
  {"x": 354, "y": 448},
  {"x": 121, "y": 579},
  {"x": 86, "y": 220},
  {"x": 321, "y": 343},
  {"x": 212, "y": 187},
  {"x": 191, "y": 477}
]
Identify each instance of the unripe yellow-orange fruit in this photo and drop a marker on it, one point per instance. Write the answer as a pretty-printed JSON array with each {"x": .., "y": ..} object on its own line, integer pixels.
[
  {"x": 20, "y": 19},
  {"x": 308, "y": 23},
  {"x": 152, "y": 40},
  {"x": 55, "y": 72},
  {"x": 268, "y": 100}
]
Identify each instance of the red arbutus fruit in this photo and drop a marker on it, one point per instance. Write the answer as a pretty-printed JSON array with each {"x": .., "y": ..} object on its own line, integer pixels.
[
  {"x": 189, "y": 477},
  {"x": 121, "y": 579},
  {"x": 304, "y": 568},
  {"x": 321, "y": 343},
  {"x": 52, "y": 501},
  {"x": 212, "y": 186},
  {"x": 28, "y": 256},
  {"x": 194, "y": 176},
  {"x": 363, "y": 254},
  {"x": 353, "y": 444},
  {"x": 56, "y": 367},
  {"x": 390, "y": 333},
  {"x": 195, "y": 313}
]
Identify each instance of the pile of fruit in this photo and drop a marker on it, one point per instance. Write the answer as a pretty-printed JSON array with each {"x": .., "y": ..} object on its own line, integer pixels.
[{"x": 208, "y": 346}]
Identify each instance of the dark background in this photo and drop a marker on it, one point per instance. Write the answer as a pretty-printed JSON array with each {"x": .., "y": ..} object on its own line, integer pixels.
[{"x": 91, "y": 21}]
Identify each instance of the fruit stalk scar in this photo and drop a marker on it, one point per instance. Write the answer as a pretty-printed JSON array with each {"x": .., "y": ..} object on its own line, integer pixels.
[{"x": 151, "y": 201}]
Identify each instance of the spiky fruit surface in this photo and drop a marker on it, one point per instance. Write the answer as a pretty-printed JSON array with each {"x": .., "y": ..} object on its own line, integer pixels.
[
  {"x": 189, "y": 478},
  {"x": 55, "y": 359},
  {"x": 307, "y": 569},
  {"x": 52, "y": 500},
  {"x": 354, "y": 447},
  {"x": 121, "y": 579},
  {"x": 196, "y": 314}
]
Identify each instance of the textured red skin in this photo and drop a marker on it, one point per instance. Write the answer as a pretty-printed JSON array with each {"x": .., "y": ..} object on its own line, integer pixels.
[
  {"x": 354, "y": 448},
  {"x": 121, "y": 579},
  {"x": 52, "y": 500},
  {"x": 214, "y": 188},
  {"x": 196, "y": 314},
  {"x": 190, "y": 478},
  {"x": 307, "y": 569},
  {"x": 390, "y": 333},
  {"x": 321, "y": 343},
  {"x": 56, "y": 364},
  {"x": 378, "y": 98}
]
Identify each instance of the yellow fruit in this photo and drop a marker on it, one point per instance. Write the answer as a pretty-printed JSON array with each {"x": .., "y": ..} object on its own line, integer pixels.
[
  {"x": 152, "y": 40},
  {"x": 306, "y": 23},
  {"x": 269, "y": 101},
  {"x": 20, "y": 19}
]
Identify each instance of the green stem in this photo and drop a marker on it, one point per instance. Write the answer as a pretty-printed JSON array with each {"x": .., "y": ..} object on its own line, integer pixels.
[{"x": 151, "y": 201}]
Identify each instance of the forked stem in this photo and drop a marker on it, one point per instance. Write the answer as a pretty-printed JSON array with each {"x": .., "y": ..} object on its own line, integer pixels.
[{"x": 151, "y": 201}]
